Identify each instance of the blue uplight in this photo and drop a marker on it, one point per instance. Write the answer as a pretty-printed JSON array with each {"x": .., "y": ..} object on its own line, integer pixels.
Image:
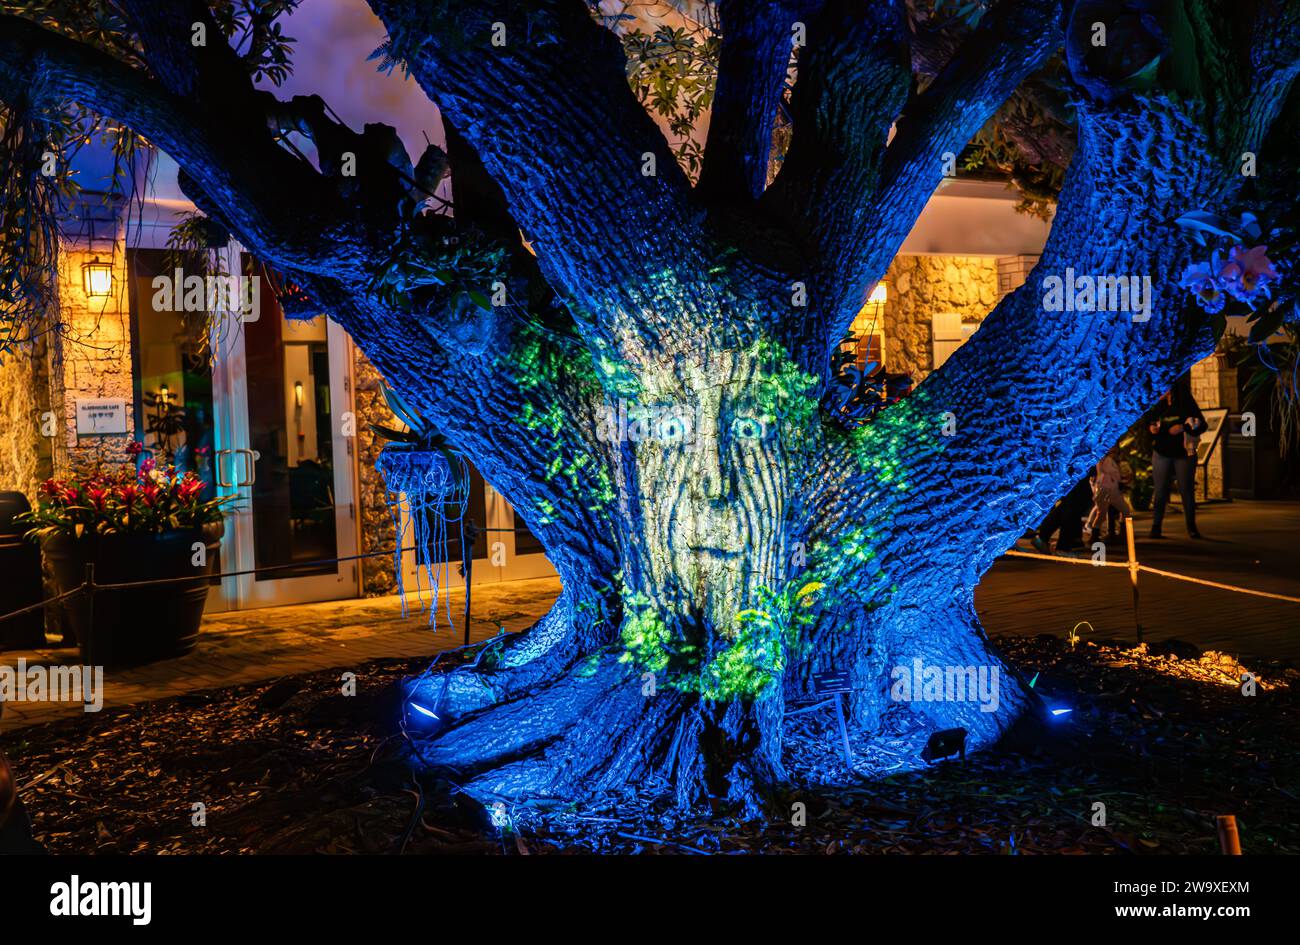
[{"x": 422, "y": 710}]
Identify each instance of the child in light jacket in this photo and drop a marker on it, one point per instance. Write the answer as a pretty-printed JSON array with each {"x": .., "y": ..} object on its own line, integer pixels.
[{"x": 1107, "y": 494}]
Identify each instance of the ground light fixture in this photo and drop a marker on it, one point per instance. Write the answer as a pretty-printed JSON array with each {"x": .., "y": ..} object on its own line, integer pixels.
[{"x": 423, "y": 710}]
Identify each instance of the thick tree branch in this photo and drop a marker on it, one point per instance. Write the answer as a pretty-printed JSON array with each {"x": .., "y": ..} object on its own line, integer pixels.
[
  {"x": 853, "y": 76},
  {"x": 539, "y": 89},
  {"x": 1001, "y": 430},
  {"x": 1011, "y": 42},
  {"x": 279, "y": 205},
  {"x": 752, "y": 67}
]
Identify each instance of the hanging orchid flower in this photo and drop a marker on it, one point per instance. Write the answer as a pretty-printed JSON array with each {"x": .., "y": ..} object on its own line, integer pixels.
[
  {"x": 1255, "y": 272},
  {"x": 1204, "y": 279}
]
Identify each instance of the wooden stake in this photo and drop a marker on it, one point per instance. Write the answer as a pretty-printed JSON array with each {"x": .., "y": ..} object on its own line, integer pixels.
[
  {"x": 1133, "y": 571},
  {"x": 1229, "y": 842}
]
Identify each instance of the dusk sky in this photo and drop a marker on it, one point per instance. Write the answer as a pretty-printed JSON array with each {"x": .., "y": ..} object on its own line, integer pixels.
[{"x": 335, "y": 37}]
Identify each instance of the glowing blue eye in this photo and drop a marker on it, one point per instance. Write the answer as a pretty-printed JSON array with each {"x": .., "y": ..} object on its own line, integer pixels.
[{"x": 747, "y": 428}]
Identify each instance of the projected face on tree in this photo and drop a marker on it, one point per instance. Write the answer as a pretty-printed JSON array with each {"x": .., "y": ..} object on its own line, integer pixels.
[{"x": 711, "y": 483}]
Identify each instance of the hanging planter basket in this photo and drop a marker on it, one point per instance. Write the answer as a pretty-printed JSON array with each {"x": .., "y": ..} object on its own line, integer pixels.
[{"x": 434, "y": 484}]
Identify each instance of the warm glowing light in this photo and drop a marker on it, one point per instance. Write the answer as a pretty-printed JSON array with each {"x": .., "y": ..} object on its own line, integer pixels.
[
  {"x": 297, "y": 393},
  {"x": 164, "y": 393},
  {"x": 880, "y": 294},
  {"x": 98, "y": 278}
]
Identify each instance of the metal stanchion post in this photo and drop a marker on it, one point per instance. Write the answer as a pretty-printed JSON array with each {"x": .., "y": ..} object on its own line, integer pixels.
[
  {"x": 1133, "y": 571},
  {"x": 91, "y": 648},
  {"x": 468, "y": 534}
]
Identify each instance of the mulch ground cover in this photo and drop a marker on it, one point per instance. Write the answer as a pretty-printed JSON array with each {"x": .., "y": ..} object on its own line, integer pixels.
[{"x": 1165, "y": 740}]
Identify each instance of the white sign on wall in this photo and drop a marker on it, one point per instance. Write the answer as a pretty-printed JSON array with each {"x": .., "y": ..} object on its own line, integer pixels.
[
  {"x": 948, "y": 333},
  {"x": 101, "y": 416}
]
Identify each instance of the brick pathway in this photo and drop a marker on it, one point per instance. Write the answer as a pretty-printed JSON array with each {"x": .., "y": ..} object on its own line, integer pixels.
[
  {"x": 1253, "y": 545},
  {"x": 253, "y": 645}
]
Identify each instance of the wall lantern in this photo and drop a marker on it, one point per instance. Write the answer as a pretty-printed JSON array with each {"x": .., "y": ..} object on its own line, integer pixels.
[
  {"x": 880, "y": 294},
  {"x": 297, "y": 393},
  {"x": 97, "y": 277}
]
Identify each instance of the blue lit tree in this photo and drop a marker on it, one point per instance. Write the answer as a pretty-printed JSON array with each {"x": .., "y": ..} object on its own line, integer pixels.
[{"x": 641, "y": 364}]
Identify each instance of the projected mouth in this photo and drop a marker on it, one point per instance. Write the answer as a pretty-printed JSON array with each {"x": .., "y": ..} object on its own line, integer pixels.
[{"x": 716, "y": 551}]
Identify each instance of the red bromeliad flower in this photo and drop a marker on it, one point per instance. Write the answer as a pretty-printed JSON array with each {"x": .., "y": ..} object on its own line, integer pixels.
[
  {"x": 148, "y": 499},
  {"x": 134, "y": 448}
]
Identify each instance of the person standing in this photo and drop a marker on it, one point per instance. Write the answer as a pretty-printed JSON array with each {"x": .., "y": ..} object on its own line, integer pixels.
[{"x": 1176, "y": 423}]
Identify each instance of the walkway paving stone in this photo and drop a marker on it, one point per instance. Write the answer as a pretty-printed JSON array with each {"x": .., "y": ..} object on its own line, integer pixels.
[{"x": 255, "y": 645}]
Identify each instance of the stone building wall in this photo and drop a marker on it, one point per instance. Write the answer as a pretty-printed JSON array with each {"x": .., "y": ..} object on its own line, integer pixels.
[
  {"x": 1209, "y": 379},
  {"x": 28, "y": 425},
  {"x": 919, "y": 287},
  {"x": 91, "y": 358},
  {"x": 375, "y": 518}
]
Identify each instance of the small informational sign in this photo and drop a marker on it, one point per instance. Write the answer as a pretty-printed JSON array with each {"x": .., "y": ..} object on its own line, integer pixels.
[
  {"x": 827, "y": 683},
  {"x": 834, "y": 684},
  {"x": 100, "y": 416},
  {"x": 1214, "y": 418}
]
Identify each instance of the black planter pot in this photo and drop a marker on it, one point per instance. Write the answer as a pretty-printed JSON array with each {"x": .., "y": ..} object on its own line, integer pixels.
[
  {"x": 134, "y": 625},
  {"x": 20, "y": 565}
]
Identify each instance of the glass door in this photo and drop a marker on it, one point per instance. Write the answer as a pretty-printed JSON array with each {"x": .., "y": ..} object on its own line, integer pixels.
[
  {"x": 255, "y": 406},
  {"x": 290, "y": 459},
  {"x": 182, "y": 408}
]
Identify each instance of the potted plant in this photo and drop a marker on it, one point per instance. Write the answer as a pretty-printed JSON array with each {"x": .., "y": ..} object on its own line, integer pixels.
[
  {"x": 417, "y": 463},
  {"x": 141, "y": 524}
]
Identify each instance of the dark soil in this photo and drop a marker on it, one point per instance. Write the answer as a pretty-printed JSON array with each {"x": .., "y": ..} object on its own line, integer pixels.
[{"x": 1165, "y": 742}]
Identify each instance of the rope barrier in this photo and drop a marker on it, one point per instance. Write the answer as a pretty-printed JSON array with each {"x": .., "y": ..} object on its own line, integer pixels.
[
  {"x": 158, "y": 582},
  {"x": 1156, "y": 571},
  {"x": 1060, "y": 560},
  {"x": 1222, "y": 587}
]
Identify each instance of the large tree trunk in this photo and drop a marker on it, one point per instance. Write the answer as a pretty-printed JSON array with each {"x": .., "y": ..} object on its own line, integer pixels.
[{"x": 758, "y": 545}]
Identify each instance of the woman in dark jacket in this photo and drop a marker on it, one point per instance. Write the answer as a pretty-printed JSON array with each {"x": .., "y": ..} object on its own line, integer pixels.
[{"x": 1175, "y": 422}]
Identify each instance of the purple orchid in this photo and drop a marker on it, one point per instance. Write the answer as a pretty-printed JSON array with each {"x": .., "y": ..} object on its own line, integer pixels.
[
  {"x": 1256, "y": 271},
  {"x": 1204, "y": 280}
]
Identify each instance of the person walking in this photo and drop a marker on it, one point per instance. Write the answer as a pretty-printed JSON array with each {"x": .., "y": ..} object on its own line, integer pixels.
[
  {"x": 1067, "y": 517},
  {"x": 1108, "y": 502},
  {"x": 1176, "y": 423}
]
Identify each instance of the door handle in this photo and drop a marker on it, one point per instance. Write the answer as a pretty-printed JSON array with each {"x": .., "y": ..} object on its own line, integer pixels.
[
  {"x": 250, "y": 466},
  {"x": 216, "y": 463}
]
